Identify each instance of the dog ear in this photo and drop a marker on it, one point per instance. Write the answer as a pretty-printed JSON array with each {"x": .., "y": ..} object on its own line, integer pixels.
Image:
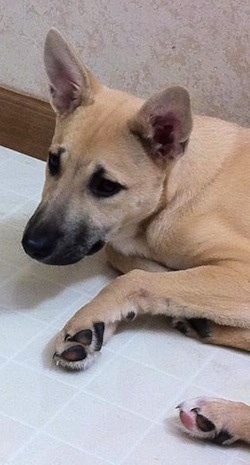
[
  {"x": 71, "y": 84},
  {"x": 164, "y": 123}
]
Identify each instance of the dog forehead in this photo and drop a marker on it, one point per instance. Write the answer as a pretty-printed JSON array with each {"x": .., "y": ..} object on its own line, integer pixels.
[{"x": 98, "y": 133}]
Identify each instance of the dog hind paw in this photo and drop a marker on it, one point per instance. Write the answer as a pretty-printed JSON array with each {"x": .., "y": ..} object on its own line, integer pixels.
[{"x": 207, "y": 418}]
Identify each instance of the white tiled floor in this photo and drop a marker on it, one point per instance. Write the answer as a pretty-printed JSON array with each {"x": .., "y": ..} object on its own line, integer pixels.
[{"x": 120, "y": 411}]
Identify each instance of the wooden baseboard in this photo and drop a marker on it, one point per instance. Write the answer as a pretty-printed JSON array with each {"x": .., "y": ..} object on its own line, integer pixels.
[{"x": 26, "y": 123}]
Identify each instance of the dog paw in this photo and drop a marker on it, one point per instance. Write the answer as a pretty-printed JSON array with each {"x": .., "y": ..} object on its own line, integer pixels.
[
  {"x": 193, "y": 327},
  {"x": 208, "y": 418},
  {"x": 78, "y": 350}
]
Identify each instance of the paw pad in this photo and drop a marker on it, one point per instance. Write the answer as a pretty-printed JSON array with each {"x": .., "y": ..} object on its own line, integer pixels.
[{"x": 83, "y": 337}]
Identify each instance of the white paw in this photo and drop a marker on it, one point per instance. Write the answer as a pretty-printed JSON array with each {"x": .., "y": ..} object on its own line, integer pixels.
[{"x": 207, "y": 418}]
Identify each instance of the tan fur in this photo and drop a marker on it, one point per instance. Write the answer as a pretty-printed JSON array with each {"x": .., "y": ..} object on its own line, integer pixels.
[
  {"x": 230, "y": 419},
  {"x": 233, "y": 416},
  {"x": 189, "y": 214}
]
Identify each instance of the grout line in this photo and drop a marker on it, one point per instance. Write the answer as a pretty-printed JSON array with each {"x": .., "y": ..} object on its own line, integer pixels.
[
  {"x": 16, "y": 209},
  {"x": 40, "y": 432},
  {"x": 159, "y": 419},
  {"x": 53, "y": 376},
  {"x": 146, "y": 365},
  {"x": 42, "y": 429},
  {"x": 40, "y": 372},
  {"x": 139, "y": 441},
  {"x": 119, "y": 407},
  {"x": 64, "y": 406},
  {"x": 97, "y": 456},
  {"x": 12, "y": 357},
  {"x": 16, "y": 420},
  {"x": 33, "y": 434}
]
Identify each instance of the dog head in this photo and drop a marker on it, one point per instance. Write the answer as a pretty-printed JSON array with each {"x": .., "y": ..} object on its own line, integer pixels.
[{"x": 108, "y": 161}]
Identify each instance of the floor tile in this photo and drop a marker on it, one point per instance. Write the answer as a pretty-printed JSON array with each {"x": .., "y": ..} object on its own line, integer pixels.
[
  {"x": 2, "y": 360},
  {"x": 165, "y": 446},
  {"x": 13, "y": 156},
  {"x": 36, "y": 297},
  {"x": 132, "y": 386},
  {"x": 95, "y": 426},
  {"x": 7, "y": 271},
  {"x": 23, "y": 178},
  {"x": 11, "y": 230},
  {"x": 77, "y": 301},
  {"x": 10, "y": 201},
  {"x": 244, "y": 453},
  {"x": 161, "y": 347},
  {"x": 90, "y": 274},
  {"x": 29, "y": 396},
  {"x": 13, "y": 436},
  {"x": 45, "y": 450},
  {"x": 239, "y": 461},
  {"x": 16, "y": 330},
  {"x": 228, "y": 375},
  {"x": 125, "y": 333}
]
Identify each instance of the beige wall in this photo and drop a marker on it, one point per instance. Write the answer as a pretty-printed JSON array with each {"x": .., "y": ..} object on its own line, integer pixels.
[{"x": 138, "y": 45}]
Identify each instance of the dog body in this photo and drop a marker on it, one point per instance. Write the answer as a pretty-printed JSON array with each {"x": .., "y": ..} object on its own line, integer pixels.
[
  {"x": 204, "y": 210},
  {"x": 167, "y": 193}
]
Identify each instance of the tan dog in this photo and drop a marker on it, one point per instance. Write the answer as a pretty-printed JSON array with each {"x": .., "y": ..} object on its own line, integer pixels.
[{"x": 166, "y": 192}]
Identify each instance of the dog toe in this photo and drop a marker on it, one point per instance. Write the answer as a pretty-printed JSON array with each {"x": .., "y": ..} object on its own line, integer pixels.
[
  {"x": 193, "y": 327},
  {"x": 181, "y": 325},
  {"x": 74, "y": 353},
  {"x": 83, "y": 337},
  {"x": 201, "y": 326}
]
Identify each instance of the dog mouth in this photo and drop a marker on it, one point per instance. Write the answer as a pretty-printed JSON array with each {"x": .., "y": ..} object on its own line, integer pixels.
[
  {"x": 96, "y": 247},
  {"x": 69, "y": 257},
  {"x": 59, "y": 253}
]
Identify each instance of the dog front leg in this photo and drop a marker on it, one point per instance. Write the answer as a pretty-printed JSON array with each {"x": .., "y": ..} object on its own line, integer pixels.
[
  {"x": 196, "y": 328},
  {"x": 83, "y": 336},
  {"x": 213, "y": 292}
]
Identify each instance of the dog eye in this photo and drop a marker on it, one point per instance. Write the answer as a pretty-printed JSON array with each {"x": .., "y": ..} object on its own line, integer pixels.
[
  {"x": 54, "y": 163},
  {"x": 103, "y": 187}
]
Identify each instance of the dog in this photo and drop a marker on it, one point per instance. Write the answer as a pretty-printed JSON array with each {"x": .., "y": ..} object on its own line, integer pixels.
[{"x": 167, "y": 194}]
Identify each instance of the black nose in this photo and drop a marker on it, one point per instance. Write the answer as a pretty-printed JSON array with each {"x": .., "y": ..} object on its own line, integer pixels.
[
  {"x": 38, "y": 246},
  {"x": 41, "y": 235}
]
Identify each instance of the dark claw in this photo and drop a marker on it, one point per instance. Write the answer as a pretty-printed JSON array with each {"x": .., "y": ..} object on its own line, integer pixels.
[
  {"x": 83, "y": 337},
  {"x": 130, "y": 316},
  {"x": 182, "y": 327},
  {"x": 74, "y": 354},
  {"x": 201, "y": 326},
  {"x": 99, "y": 331}
]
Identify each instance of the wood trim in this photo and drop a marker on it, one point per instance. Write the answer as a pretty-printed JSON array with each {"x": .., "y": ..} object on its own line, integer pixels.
[{"x": 26, "y": 123}]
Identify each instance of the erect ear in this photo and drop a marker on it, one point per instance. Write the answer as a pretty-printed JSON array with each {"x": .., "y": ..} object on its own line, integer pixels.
[
  {"x": 164, "y": 123},
  {"x": 71, "y": 84}
]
